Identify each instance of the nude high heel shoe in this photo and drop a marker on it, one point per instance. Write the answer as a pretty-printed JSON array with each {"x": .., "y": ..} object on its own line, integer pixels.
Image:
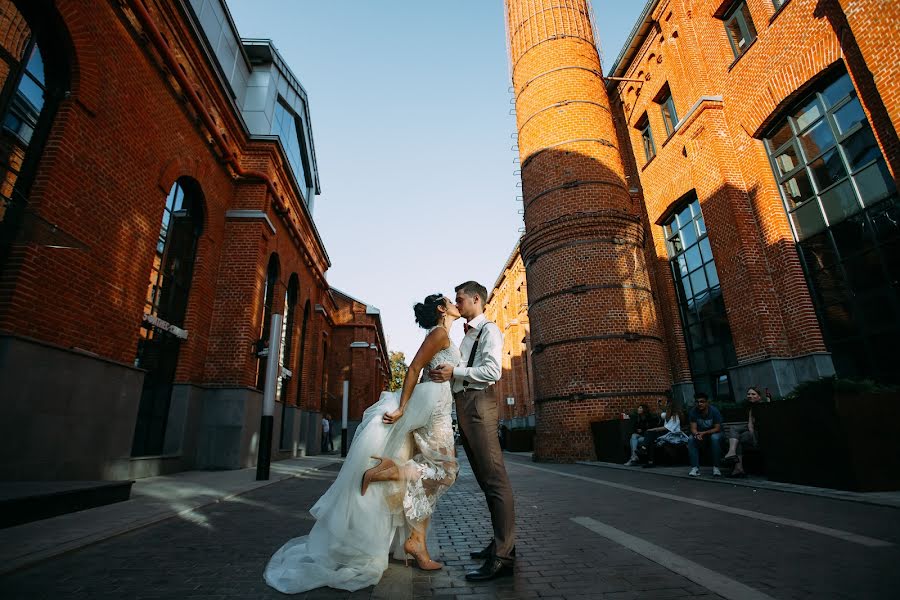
[
  {"x": 418, "y": 555},
  {"x": 371, "y": 475}
]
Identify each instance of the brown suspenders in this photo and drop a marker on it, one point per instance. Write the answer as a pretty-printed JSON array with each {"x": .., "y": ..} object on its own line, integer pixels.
[{"x": 474, "y": 350}]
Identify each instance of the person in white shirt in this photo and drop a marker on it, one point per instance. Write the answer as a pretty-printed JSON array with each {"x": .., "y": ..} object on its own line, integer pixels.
[
  {"x": 472, "y": 378},
  {"x": 670, "y": 433}
]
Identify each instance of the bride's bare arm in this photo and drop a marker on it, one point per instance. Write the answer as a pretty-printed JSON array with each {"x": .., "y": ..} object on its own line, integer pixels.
[{"x": 434, "y": 342}]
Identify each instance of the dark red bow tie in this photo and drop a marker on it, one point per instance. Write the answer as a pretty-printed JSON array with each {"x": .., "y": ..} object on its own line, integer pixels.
[{"x": 466, "y": 328}]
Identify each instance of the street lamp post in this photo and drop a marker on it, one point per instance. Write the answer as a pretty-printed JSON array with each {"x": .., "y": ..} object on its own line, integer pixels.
[
  {"x": 344, "y": 407},
  {"x": 264, "y": 453}
]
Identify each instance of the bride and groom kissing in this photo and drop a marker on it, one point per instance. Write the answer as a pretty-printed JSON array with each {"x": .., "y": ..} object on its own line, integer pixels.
[{"x": 403, "y": 459}]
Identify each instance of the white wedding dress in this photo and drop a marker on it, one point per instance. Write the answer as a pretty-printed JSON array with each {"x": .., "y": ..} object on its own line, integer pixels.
[{"x": 352, "y": 538}]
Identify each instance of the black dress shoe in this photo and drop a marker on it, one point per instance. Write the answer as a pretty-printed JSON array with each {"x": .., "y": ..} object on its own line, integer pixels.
[
  {"x": 488, "y": 552},
  {"x": 491, "y": 569},
  {"x": 483, "y": 554}
]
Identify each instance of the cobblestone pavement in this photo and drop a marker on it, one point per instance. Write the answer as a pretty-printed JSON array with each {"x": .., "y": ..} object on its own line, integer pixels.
[{"x": 583, "y": 532}]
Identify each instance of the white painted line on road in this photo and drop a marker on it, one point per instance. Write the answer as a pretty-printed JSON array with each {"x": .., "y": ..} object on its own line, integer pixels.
[
  {"x": 711, "y": 580},
  {"x": 752, "y": 514}
]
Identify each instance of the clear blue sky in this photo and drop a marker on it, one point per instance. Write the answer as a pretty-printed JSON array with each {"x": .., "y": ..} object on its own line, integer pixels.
[{"x": 410, "y": 105}]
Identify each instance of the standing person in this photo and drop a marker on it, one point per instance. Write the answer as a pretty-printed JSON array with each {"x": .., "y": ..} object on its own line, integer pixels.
[
  {"x": 329, "y": 433},
  {"x": 372, "y": 508},
  {"x": 326, "y": 432},
  {"x": 706, "y": 425},
  {"x": 476, "y": 410}
]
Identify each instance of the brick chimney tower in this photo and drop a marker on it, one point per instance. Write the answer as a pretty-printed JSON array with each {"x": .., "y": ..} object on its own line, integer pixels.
[{"x": 597, "y": 347}]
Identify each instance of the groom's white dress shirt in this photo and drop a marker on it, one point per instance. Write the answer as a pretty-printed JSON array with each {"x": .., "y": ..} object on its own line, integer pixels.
[{"x": 486, "y": 368}]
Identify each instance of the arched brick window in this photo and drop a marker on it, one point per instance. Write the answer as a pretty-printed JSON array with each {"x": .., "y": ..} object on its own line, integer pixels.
[
  {"x": 706, "y": 329},
  {"x": 165, "y": 305},
  {"x": 268, "y": 296},
  {"x": 843, "y": 207},
  {"x": 34, "y": 75},
  {"x": 301, "y": 364},
  {"x": 287, "y": 348}
]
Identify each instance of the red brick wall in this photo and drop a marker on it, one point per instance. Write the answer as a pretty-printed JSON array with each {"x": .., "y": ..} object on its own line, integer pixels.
[
  {"x": 716, "y": 153},
  {"x": 365, "y": 368},
  {"x": 120, "y": 140},
  {"x": 508, "y": 308},
  {"x": 594, "y": 324}
]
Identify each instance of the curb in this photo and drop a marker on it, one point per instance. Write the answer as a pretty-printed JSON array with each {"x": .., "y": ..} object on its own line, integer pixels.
[{"x": 774, "y": 486}]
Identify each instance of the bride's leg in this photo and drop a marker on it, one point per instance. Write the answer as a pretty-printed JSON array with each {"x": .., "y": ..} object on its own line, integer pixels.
[
  {"x": 386, "y": 470},
  {"x": 417, "y": 547}
]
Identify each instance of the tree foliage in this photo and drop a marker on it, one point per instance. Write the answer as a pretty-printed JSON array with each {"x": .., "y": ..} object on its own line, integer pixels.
[{"x": 398, "y": 370}]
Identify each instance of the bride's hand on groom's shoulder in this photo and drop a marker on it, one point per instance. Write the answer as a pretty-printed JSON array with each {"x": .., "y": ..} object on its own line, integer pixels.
[
  {"x": 392, "y": 417},
  {"x": 441, "y": 373}
]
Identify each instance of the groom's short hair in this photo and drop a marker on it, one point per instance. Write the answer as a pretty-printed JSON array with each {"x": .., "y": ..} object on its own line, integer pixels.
[{"x": 471, "y": 288}]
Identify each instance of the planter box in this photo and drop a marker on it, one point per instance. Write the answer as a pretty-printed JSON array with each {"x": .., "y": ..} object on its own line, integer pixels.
[
  {"x": 846, "y": 441},
  {"x": 611, "y": 440},
  {"x": 520, "y": 440}
]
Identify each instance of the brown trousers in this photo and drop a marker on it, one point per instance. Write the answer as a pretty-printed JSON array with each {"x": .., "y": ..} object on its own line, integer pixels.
[{"x": 476, "y": 414}]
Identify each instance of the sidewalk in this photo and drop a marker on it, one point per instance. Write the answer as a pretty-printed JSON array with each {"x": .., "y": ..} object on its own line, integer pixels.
[
  {"x": 888, "y": 499},
  {"x": 153, "y": 499}
]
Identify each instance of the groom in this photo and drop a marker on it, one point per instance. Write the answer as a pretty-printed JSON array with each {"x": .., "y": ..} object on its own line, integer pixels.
[{"x": 476, "y": 411}]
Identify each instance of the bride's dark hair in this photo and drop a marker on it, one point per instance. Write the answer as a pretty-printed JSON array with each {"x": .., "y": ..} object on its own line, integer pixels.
[{"x": 427, "y": 312}]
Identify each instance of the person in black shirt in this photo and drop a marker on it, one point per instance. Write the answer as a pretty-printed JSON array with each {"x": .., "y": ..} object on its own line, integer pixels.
[{"x": 645, "y": 420}]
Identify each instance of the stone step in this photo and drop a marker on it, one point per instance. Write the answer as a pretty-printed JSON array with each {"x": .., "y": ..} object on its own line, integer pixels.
[{"x": 26, "y": 501}]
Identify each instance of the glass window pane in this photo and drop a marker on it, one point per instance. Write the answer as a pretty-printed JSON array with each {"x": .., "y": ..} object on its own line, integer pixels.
[
  {"x": 818, "y": 139},
  {"x": 840, "y": 202},
  {"x": 705, "y": 250},
  {"x": 712, "y": 275},
  {"x": 797, "y": 189},
  {"x": 686, "y": 285},
  {"x": 807, "y": 113},
  {"x": 689, "y": 234},
  {"x": 860, "y": 148},
  {"x": 788, "y": 160},
  {"x": 698, "y": 281},
  {"x": 875, "y": 183},
  {"x": 701, "y": 224},
  {"x": 682, "y": 266},
  {"x": 887, "y": 222},
  {"x": 693, "y": 258},
  {"x": 676, "y": 244},
  {"x": 698, "y": 361},
  {"x": 864, "y": 272},
  {"x": 848, "y": 116},
  {"x": 695, "y": 336},
  {"x": 716, "y": 360},
  {"x": 781, "y": 136},
  {"x": 838, "y": 90},
  {"x": 685, "y": 217},
  {"x": 828, "y": 169},
  {"x": 808, "y": 220},
  {"x": 32, "y": 92},
  {"x": 851, "y": 236},
  {"x": 735, "y": 35}
]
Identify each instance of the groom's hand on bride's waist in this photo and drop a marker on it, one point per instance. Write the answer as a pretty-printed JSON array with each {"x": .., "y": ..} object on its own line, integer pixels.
[{"x": 441, "y": 373}]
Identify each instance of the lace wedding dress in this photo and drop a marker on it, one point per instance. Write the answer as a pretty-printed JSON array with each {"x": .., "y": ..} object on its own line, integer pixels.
[{"x": 353, "y": 536}]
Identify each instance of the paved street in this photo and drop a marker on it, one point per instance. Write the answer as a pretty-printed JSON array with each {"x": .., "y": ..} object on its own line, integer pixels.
[{"x": 584, "y": 532}]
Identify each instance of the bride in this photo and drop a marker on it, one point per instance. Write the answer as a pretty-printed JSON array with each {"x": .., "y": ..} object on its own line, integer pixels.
[{"x": 401, "y": 461}]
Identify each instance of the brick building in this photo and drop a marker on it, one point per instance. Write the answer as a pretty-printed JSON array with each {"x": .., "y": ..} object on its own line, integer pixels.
[
  {"x": 507, "y": 306},
  {"x": 157, "y": 209},
  {"x": 359, "y": 356},
  {"x": 759, "y": 150}
]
